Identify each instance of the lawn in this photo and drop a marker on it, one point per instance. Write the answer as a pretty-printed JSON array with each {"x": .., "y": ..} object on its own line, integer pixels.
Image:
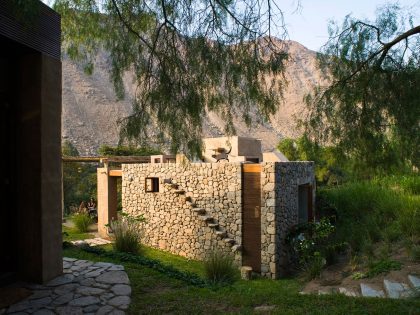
[
  {"x": 71, "y": 234},
  {"x": 157, "y": 293}
]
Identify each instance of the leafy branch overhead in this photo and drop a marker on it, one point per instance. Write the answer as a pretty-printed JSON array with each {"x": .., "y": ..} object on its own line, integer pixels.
[
  {"x": 371, "y": 109},
  {"x": 187, "y": 57}
]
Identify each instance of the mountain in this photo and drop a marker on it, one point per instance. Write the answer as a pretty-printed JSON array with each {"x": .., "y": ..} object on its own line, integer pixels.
[{"x": 91, "y": 110}]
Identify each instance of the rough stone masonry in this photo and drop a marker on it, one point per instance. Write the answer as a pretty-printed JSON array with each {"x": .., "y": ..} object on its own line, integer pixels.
[{"x": 198, "y": 207}]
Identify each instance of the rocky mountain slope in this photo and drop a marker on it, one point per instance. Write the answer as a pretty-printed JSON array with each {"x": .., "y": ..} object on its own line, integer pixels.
[{"x": 91, "y": 111}]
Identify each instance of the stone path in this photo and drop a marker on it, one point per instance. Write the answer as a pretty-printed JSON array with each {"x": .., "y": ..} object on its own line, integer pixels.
[
  {"x": 84, "y": 288},
  {"x": 91, "y": 242},
  {"x": 391, "y": 289}
]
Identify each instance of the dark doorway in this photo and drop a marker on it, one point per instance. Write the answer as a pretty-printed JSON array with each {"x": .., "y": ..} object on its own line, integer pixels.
[
  {"x": 251, "y": 216},
  {"x": 305, "y": 203},
  {"x": 8, "y": 139}
]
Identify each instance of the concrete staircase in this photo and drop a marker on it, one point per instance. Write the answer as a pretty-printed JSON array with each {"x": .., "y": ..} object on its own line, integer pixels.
[
  {"x": 389, "y": 289},
  {"x": 204, "y": 216}
]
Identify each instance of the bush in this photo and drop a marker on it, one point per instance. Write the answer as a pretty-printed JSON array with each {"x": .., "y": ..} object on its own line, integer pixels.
[
  {"x": 81, "y": 222},
  {"x": 219, "y": 268},
  {"x": 368, "y": 212},
  {"x": 314, "y": 265},
  {"x": 127, "y": 233},
  {"x": 313, "y": 245},
  {"x": 382, "y": 266}
]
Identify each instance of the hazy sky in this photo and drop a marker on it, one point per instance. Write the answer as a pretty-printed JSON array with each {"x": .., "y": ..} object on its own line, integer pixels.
[{"x": 308, "y": 24}]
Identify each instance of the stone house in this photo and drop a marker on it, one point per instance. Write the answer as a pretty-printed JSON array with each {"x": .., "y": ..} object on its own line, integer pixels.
[{"x": 240, "y": 207}]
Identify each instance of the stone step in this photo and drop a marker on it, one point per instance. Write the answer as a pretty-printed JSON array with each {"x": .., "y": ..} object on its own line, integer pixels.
[
  {"x": 368, "y": 291},
  {"x": 236, "y": 248},
  {"x": 179, "y": 191},
  {"x": 199, "y": 210},
  {"x": 415, "y": 281},
  {"x": 221, "y": 233},
  {"x": 213, "y": 225},
  {"x": 190, "y": 203},
  {"x": 230, "y": 241},
  {"x": 396, "y": 290},
  {"x": 205, "y": 218},
  {"x": 347, "y": 292}
]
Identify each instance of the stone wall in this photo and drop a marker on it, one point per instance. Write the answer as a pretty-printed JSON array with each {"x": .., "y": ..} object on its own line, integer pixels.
[
  {"x": 279, "y": 210},
  {"x": 172, "y": 224}
]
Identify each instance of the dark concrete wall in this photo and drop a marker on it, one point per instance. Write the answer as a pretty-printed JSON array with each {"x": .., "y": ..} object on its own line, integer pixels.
[{"x": 39, "y": 167}]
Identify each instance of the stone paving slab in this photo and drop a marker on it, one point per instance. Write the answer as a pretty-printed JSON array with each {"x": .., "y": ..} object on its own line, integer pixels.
[
  {"x": 91, "y": 242},
  {"x": 415, "y": 281},
  {"x": 368, "y": 291},
  {"x": 396, "y": 290},
  {"x": 84, "y": 288}
]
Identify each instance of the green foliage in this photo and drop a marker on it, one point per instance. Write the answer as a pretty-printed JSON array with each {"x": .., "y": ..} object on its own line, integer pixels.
[
  {"x": 219, "y": 268},
  {"x": 167, "y": 270},
  {"x": 79, "y": 179},
  {"x": 72, "y": 234},
  {"x": 371, "y": 107},
  {"x": 368, "y": 212},
  {"x": 330, "y": 164},
  {"x": 81, "y": 221},
  {"x": 382, "y": 266},
  {"x": 289, "y": 148},
  {"x": 106, "y": 150},
  {"x": 187, "y": 57},
  {"x": 314, "y": 266},
  {"x": 313, "y": 245},
  {"x": 127, "y": 231}
]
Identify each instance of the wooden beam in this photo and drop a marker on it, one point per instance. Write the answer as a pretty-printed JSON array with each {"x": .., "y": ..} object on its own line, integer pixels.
[
  {"x": 81, "y": 159},
  {"x": 106, "y": 159},
  {"x": 115, "y": 173}
]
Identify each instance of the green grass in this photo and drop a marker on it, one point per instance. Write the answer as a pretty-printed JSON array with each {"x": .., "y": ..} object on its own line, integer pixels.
[
  {"x": 72, "y": 234},
  {"x": 156, "y": 293},
  {"x": 370, "y": 212}
]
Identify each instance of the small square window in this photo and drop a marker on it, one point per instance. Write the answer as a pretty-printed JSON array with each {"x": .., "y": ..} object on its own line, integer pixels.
[
  {"x": 152, "y": 184},
  {"x": 157, "y": 160}
]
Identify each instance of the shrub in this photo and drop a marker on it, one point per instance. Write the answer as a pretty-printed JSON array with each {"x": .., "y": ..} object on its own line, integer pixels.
[
  {"x": 127, "y": 233},
  {"x": 382, "y": 266},
  {"x": 219, "y": 268},
  {"x": 81, "y": 222},
  {"x": 369, "y": 212},
  {"x": 314, "y": 265},
  {"x": 313, "y": 245}
]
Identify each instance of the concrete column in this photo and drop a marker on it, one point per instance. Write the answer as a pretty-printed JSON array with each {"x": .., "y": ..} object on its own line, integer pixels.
[
  {"x": 39, "y": 170},
  {"x": 107, "y": 200}
]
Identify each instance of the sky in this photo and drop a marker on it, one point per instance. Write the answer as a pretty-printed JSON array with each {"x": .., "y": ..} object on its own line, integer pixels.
[{"x": 309, "y": 24}]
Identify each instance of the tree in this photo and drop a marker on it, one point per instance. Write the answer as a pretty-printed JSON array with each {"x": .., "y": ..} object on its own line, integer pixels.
[
  {"x": 106, "y": 150},
  {"x": 330, "y": 165},
  {"x": 371, "y": 109},
  {"x": 188, "y": 56},
  {"x": 79, "y": 179}
]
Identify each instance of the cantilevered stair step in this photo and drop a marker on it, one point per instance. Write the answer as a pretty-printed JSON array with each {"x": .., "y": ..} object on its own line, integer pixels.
[
  {"x": 221, "y": 233},
  {"x": 230, "y": 241},
  {"x": 190, "y": 203},
  {"x": 205, "y": 218},
  {"x": 213, "y": 225},
  {"x": 236, "y": 248},
  {"x": 179, "y": 191},
  {"x": 199, "y": 210}
]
